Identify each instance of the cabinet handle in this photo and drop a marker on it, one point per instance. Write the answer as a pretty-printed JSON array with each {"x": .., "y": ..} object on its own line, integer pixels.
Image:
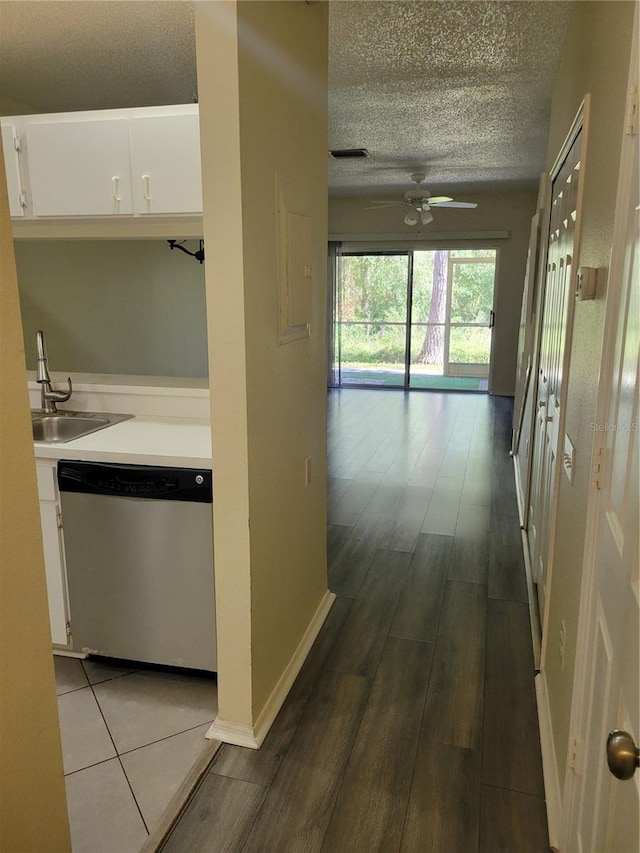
[
  {"x": 115, "y": 182},
  {"x": 146, "y": 193}
]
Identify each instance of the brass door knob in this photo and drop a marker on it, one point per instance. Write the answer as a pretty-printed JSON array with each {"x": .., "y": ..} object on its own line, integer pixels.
[{"x": 623, "y": 756}]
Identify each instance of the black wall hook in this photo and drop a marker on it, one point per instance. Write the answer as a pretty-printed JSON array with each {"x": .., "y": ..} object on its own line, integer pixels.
[{"x": 179, "y": 244}]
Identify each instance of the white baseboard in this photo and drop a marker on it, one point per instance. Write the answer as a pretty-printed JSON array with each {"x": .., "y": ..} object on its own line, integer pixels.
[
  {"x": 235, "y": 733},
  {"x": 549, "y": 764},
  {"x": 252, "y": 736}
]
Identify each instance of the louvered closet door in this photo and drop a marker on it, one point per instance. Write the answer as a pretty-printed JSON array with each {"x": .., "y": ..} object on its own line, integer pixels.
[{"x": 555, "y": 339}]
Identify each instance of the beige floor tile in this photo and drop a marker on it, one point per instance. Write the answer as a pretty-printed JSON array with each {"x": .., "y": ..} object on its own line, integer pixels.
[
  {"x": 85, "y": 739},
  {"x": 147, "y": 706},
  {"x": 156, "y": 771},
  {"x": 97, "y": 672},
  {"x": 103, "y": 814},
  {"x": 69, "y": 674}
]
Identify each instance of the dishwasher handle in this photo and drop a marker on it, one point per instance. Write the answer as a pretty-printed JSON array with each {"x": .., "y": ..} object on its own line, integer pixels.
[{"x": 136, "y": 481}]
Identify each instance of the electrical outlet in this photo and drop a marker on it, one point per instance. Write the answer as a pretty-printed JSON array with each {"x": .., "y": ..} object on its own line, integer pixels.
[{"x": 307, "y": 471}]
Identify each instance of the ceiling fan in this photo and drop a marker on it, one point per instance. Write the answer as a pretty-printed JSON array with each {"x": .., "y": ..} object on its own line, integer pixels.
[{"x": 420, "y": 201}]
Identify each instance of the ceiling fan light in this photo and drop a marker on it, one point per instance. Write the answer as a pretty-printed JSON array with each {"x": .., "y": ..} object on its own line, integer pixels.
[
  {"x": 426, "y": 217},
  {"x": 411, "y": 218}
]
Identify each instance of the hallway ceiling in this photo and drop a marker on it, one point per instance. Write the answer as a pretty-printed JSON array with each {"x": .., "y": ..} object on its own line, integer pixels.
[{"x": 458, "y": 90}]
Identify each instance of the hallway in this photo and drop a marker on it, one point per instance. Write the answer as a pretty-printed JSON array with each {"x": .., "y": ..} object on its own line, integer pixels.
[{"x": 412, "y": 725}]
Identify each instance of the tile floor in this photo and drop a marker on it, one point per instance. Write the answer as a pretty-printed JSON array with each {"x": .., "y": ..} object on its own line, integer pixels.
[{"x": 129, "y": 737}]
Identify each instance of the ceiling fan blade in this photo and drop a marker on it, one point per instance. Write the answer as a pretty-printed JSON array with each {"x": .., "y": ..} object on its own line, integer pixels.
[
  {"x": 439, "y": 199},
  {"x": 376, "y": 205},
  {"x": 453, "y": 204}
]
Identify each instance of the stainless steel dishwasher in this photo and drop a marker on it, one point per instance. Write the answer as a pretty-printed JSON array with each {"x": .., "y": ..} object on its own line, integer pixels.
[{"x": 139, "y": 559}]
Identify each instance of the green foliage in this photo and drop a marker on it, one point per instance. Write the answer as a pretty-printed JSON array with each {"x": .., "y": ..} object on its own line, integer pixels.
[
  {"x": 422, "y": 286},
  {"x": 472, "y": 292},
  {"x": 359, "y": 346},
  {"x": 469, "y": 346},
  {"x": 374, "y": 288}
]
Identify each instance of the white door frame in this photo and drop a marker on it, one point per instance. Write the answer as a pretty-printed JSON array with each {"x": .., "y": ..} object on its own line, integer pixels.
[
  {"x": 582, "y": 672},
  {"x": 580, "y": 123}
]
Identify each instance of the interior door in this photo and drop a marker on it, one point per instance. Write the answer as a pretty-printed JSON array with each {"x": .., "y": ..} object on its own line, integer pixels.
[
  {"x": 605, "y": 815},
  {"x": 553, "y": 361}
]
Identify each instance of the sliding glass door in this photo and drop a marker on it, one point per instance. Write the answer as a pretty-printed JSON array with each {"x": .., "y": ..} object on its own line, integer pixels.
[
  {"x": 470, "y": 314},
  {"x": 371, "y": 319},
  {"x": 414, "y": 319}
]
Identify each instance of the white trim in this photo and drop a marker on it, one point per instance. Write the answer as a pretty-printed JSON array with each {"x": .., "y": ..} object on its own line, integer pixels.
[
  {"x": 238, "y": 734},
  {"x": 544, "y": 212},
  {"x": 534, "y": 616},
  {"x": 580, "y": 125},
  {"x": 126, "y": 227},
  {"x": 413, "y": 236},
  {"x": 582, "y": 670},
  {"x": 549, "y": 764},
  {"x": 252, "y": 737},
  {"x": 519, "y": 492}
]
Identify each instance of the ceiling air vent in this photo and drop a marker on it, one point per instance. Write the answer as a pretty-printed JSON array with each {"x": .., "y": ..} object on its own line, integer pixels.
[{"x": 345, "y": 153}]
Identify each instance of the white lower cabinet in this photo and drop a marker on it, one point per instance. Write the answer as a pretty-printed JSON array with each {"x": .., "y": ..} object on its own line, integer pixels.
[{"x": 52, "y": 541}]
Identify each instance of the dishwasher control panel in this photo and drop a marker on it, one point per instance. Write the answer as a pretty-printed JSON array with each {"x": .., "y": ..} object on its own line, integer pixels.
[{"x": 136, "y": 481}]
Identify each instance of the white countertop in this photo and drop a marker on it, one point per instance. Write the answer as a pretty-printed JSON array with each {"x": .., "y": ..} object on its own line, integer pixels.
[{"x": 141, "y": 440}]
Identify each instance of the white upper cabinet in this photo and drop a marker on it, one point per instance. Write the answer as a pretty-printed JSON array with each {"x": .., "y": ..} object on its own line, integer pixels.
[
  {"x": 80, "y": 168},
  {"x": 14, "y": 183},
  {"x": 104, "y": 165},
  {"x": 166, "y": 164}
]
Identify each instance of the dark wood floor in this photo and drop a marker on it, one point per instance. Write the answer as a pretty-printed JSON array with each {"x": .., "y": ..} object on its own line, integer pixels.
[{"x": 412, "y": 726}]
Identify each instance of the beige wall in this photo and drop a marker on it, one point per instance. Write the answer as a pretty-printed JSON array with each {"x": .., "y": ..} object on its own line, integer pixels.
[
  {"x": 596, "y": 62},
  {"x": 33, "y": 815},
  {"x": 495, "y": 212},
  {"x": 263, "y": 119},
  {"x": 107, "y": 306}
]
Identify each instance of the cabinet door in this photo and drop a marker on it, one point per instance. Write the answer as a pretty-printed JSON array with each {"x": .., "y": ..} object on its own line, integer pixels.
[
  {"x": 166, "y": 164},
  {"x": 12, "y": 167},
  {"x": 54, "y": 568},
  {"x": 80, "y": 168}
]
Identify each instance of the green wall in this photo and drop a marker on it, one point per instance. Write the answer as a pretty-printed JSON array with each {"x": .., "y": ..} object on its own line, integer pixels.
[{"x": 114, "y": 306}]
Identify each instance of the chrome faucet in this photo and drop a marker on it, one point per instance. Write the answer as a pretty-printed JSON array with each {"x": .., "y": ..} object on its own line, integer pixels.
[{"x": 48, "y": 394}]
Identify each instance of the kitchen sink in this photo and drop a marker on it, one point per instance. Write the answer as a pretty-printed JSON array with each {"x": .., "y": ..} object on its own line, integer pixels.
[{"x": 60, "y": 427}]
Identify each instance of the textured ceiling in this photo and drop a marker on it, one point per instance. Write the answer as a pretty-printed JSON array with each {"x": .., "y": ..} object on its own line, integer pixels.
[
  {"x": 96, "y": 54},
  {"x": 459, "y": 90}
]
